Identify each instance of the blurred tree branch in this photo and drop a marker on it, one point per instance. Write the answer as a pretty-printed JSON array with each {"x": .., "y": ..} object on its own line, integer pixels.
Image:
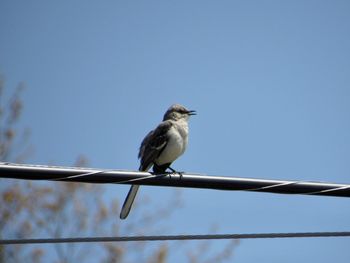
[{"x": 56, "y": 209}]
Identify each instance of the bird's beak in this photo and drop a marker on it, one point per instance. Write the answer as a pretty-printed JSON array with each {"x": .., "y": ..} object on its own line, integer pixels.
[{"x": 192, "y": 112}]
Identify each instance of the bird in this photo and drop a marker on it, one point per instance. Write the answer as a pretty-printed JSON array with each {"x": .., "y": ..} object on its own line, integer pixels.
[{"x": 161, "y": 147}]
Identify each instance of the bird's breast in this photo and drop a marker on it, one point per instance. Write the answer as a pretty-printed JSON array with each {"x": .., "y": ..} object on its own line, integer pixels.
[{"x": 176, "y": 145}]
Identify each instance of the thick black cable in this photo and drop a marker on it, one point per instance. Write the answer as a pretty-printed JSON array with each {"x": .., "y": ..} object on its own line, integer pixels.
[
  {"x": 172, "y": 238},
  {"x": 88, "y": 175}
]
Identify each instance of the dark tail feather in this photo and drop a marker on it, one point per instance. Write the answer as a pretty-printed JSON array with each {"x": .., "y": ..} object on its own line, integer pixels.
[{"x": 129, "y": 200}]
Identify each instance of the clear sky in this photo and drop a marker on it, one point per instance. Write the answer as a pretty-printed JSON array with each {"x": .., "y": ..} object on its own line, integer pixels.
[{"x": 270, "y": 81}]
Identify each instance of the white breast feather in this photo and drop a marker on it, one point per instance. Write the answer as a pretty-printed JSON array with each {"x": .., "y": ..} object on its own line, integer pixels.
[{"x": 174, "y": 148}]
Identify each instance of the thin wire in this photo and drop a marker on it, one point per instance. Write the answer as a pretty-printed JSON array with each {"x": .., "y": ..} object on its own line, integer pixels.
[
  {"x": 111, "y": 170},
  {"x": 173, "y": 237},
  {"x": 272, "y": 186},
  {"x": 330, "y": 190},
  {"x": 295, "y": 183},
  {"x": 81, "y": 175}
]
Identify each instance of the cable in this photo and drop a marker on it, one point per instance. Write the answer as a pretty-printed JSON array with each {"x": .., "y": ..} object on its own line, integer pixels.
[
  {"x": 103, "y": 176},
  {"x": 88, "y": 175},
  {"x": 172, "y": 237}
]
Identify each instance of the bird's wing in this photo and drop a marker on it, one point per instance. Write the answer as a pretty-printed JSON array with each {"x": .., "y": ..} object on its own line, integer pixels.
[{"x": 153, "y": 145}]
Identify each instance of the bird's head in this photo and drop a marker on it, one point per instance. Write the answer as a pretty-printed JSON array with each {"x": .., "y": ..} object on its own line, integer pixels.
[{"x": 177, "y": 112}]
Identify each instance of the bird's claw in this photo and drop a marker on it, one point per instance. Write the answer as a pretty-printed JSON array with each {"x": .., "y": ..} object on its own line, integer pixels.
[{"x": 176, "y": 172}]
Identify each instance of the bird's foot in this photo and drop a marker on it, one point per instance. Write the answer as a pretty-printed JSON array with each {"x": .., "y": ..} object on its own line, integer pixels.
[{"x": 176, "y": 172}]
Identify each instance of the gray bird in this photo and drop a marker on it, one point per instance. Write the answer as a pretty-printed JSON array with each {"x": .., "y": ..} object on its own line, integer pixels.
[{"x": 161, "y": 147}]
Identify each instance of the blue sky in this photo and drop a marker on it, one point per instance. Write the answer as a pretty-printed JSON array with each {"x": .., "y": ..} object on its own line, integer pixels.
[{"x": 270, "y": 81}]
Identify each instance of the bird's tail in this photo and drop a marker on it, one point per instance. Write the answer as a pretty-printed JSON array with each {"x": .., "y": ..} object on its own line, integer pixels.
[{"x": 129, "y": 200}]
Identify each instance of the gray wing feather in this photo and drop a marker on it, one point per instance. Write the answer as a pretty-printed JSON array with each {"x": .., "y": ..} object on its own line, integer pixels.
[{"x": 151, "y": 147}]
